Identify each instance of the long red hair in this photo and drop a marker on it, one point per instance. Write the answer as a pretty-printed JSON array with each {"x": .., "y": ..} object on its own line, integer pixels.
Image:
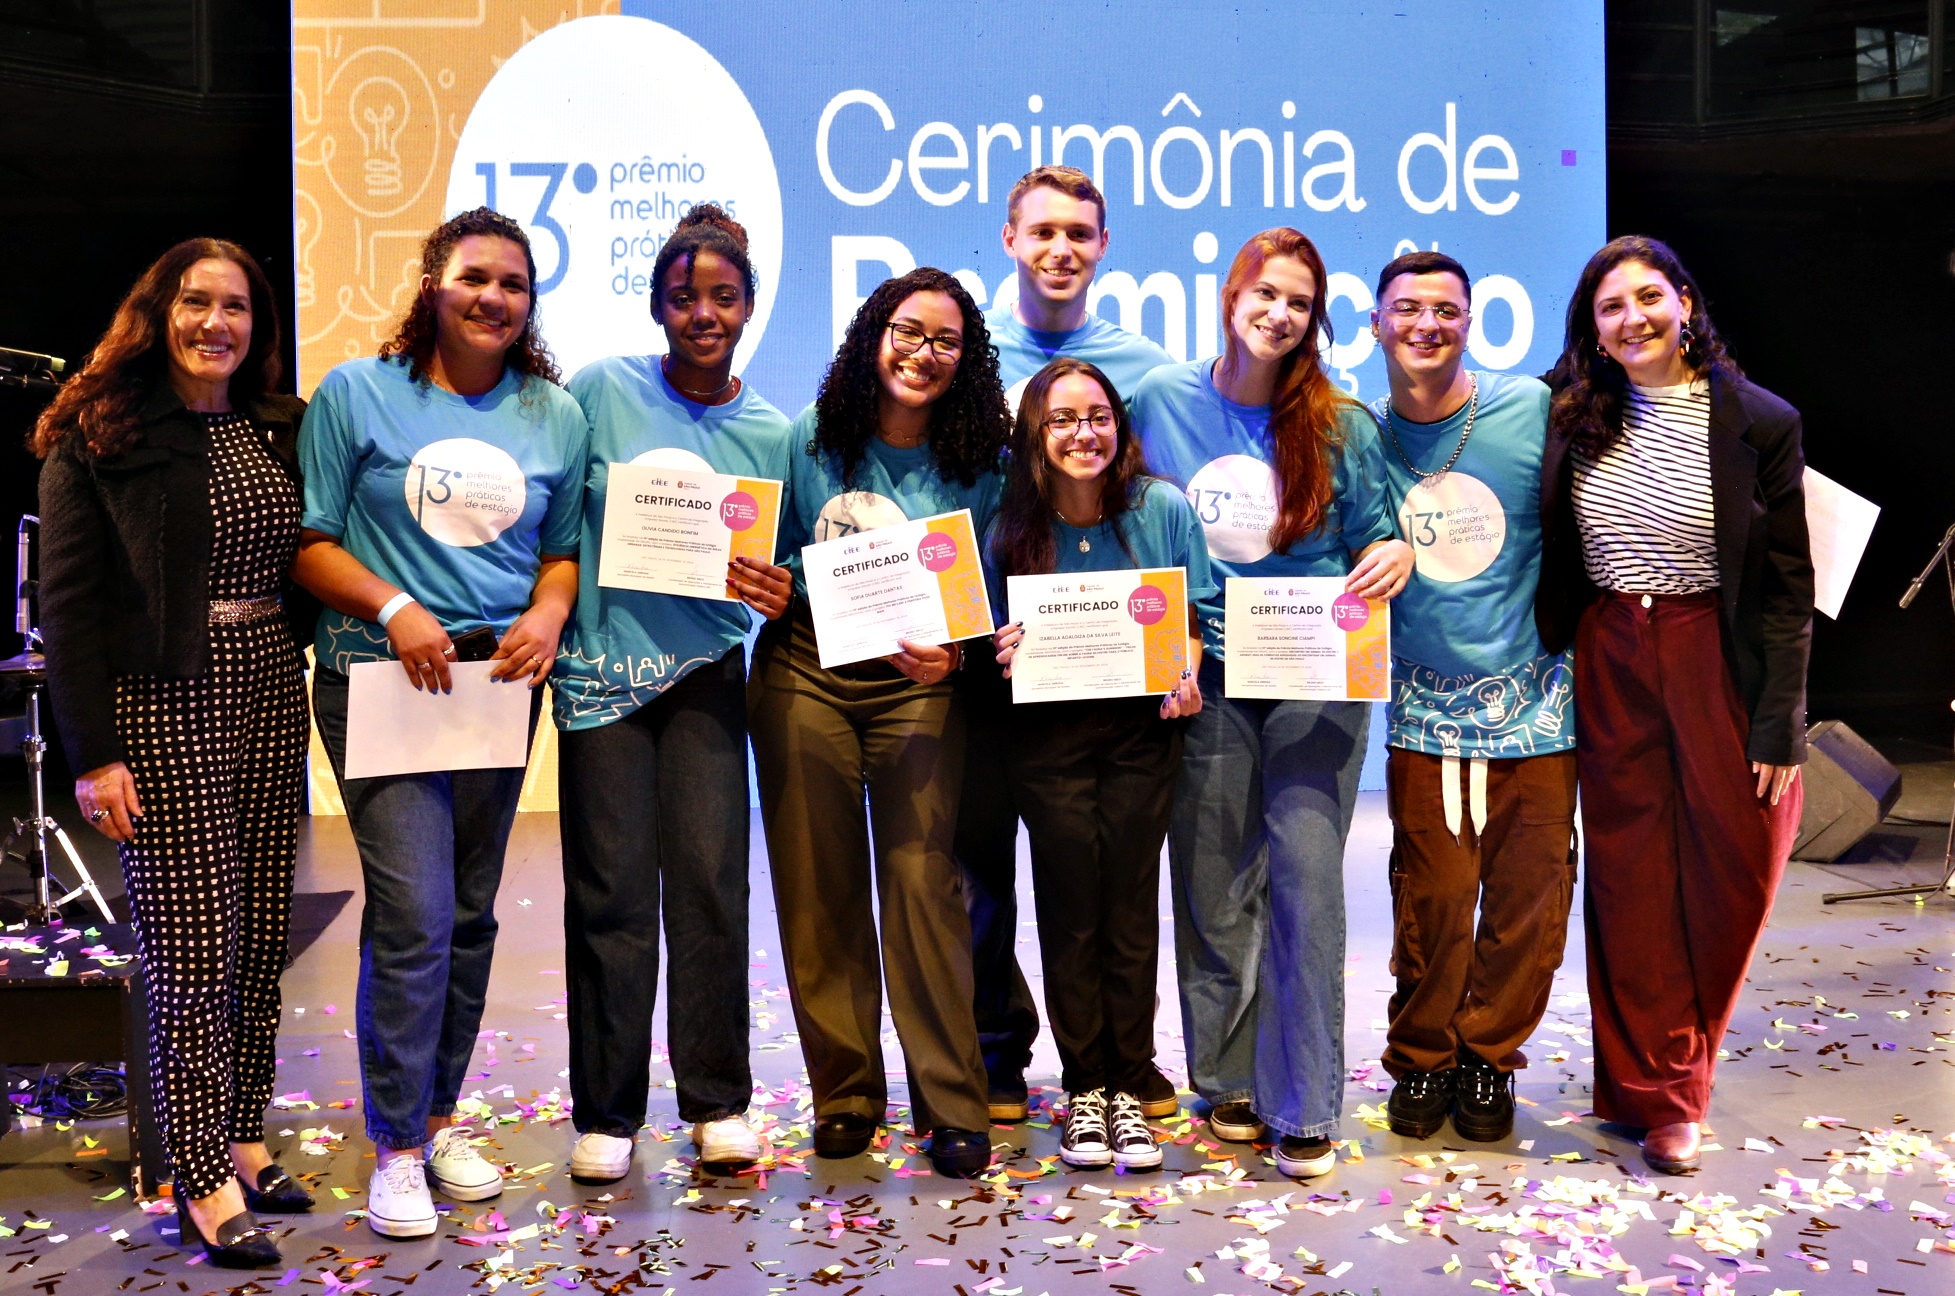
[{"x": 1304, "y": 412}]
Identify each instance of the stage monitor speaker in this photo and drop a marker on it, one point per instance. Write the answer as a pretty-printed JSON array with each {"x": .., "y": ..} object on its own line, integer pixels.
[{"x": 1850, "y": 787}]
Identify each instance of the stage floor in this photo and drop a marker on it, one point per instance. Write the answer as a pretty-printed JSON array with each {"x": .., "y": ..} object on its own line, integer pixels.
[{"x": 1833, "y": 1118}]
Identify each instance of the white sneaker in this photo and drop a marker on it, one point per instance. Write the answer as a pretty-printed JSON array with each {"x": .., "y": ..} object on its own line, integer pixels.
[
  {"x": 601, "y": 1158},
  {"x": 1302, "y": 1158},
  {"x": 398, "y": 1205},
  {"x": 1084, "y": 1140},
  {"x": 727, "y": 1141},
  {"x": 458, "y": 1170}
]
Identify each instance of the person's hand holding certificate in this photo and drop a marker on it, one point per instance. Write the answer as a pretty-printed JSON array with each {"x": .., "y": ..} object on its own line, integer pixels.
[
  {"x": 919, "y": 581},
  {"x": 1305, "y": 638},
  {"x": 1098, "y": 634},
  {"x": 675, "y": 531}
]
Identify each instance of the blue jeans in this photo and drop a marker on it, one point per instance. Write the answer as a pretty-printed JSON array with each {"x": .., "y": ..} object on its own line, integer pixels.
[
  {"x": 431, "y": 848},
  {"x": 1256, "y": 849},
  {"x": 654, "y": 808}
]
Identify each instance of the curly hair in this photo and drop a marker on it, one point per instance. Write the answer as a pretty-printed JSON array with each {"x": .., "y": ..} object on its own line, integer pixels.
[
  {"x": 1590, "y": 386},
  {"x": 706, "y": 228},
  {"x": 413, "y": 342},
  {"x": 969, "y": 425},
  {"x": 1303, "y": 415},
  {"x": 1022, "y": 543},
  {"x": 103, "y": 403}
]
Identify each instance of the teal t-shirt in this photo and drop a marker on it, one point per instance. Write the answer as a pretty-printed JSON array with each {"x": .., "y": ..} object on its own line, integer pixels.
[
  {"x": 455, "y": 499},
  {"x": 1470, "y": 676},
  {"x": 1220, "y": 453},
  {"x": 625, "y": 647},
  {"x": 1159, "y": 528},
  {"x": 891, "y": 486},
  {"x": 1125, "y": 358}
]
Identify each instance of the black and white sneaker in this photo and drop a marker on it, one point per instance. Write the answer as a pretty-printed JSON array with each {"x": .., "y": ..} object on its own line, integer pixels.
[
  {"x": 1085, "y": 1141},
  {"x": 1133, "y": 1143}
]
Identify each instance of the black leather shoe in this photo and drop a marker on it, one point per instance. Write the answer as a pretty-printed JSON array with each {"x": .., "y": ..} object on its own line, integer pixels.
[
  {"x": 960, "y": 1154},
  {"x": 845, "y": 1135},
  {"x": 1419, "y": 1103},
  {"x": 242, "y": 1242},
  {"x": 1483, "y": 1100},
  {"x": 277, "y": 1193},
  {"x": 1008, "y": 1100}
]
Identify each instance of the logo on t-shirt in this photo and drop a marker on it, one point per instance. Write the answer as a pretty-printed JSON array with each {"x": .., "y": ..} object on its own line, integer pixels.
[
  {"x": 853, "y": 511},
  {"x": 1455, "y": 526},
  {"x": 1235, "y": 498},
  {"x": 674, "y": 457},
  {"x": 465, "y": 492}
]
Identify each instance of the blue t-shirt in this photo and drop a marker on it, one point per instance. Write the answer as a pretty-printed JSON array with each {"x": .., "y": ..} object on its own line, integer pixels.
[
  {"x": 1125, "y": 358},
  {"x": 625, "y": 647},
  {"x": 1470, "y": 676},
  {"x": 1220, "y": 453},
  {"x": 891, "y": 486},
  {"x": 1159, "y": 527},
  {"x": 453, "y": 498}
]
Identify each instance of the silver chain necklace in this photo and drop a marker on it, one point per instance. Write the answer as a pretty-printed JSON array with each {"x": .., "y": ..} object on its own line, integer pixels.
[
  {"x": 665, "y": 368},
  {"x": 1428, "y": 478}
]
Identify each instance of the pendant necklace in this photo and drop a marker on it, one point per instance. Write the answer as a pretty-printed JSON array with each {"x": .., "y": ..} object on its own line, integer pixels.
[
  {"x": 1085, "y": 545},
  {"x": 1427, "y": 479}
]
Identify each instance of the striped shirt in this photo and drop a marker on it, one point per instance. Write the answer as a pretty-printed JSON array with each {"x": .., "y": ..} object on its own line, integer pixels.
[{"x": 1644, "y": 508}]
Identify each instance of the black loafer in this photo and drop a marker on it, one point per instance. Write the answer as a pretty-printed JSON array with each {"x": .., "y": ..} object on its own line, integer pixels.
[
  {"x": 960, "y": 1154},
  {"x": 242, "y": 1243},
  {"x": 277, "y": 1193},
  {"x": 1420, "y": 1103},
  {"x": 845, "y": 1135}
]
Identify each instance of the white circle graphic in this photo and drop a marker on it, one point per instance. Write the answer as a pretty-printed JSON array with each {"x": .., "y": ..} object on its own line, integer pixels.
[
  {"x": 1455, "y": 526},
  {"x": 1235, "y": 498},
  {"x": 598, "y": 136},
  {"x": 674, "y": 457},
  {"x": 853, "y": 511},
  {"x": 465, "y": 492}
]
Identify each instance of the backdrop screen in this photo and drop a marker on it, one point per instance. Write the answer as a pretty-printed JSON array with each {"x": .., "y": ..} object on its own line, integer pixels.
[{"x": 857, "y": 140}]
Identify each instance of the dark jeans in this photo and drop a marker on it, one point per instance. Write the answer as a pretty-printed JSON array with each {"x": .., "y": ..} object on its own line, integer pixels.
[
  {"x": 431, "y": 848},
  {"x": 657, "y": 803},
  {"x": 1095, "y": 782},
  {"x": 987, "y": 860}
]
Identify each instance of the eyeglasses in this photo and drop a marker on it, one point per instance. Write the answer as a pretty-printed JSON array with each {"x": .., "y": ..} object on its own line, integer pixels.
[
  {"x": 1444, "y": 312},
  {"x": 908, "y": 340},
  {"x": 1066, "y": 423}
]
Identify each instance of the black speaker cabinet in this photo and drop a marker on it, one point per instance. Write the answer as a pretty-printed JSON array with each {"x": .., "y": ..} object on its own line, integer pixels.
[{"x": 1850, "y": 787}]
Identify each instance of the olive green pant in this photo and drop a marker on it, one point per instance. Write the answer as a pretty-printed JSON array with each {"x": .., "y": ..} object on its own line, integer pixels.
[{"x": 824, "y": 741}]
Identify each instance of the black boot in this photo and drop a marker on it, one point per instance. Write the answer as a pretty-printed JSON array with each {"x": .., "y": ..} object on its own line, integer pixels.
[
  {"x": 1419, "y": 1103},
  {"x": 1483, "y": 1100}
]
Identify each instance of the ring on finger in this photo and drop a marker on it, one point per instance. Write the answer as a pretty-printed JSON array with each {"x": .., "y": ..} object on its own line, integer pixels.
[{"x": 97, "y": 815}]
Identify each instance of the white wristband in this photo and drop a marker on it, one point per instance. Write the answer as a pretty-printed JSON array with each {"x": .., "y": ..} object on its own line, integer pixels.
[{"x": 392, "y": 606}]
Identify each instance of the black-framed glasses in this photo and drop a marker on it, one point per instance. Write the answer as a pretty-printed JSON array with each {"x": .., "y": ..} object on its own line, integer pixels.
[
  {"x": 909, "y": 339},
  {"x": 1067, "y": 423},
  {"x": 1444, "y": 312}
]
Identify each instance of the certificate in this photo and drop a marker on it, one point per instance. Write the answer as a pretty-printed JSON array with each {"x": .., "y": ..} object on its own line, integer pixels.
[
  {"x": 394, "y": 728},
  {"x": 1304, "y": 638},
  {"x": 918, "y": 580},
  {"x": 1099, "y": 634},
  {"x": 674, "y": 530}
]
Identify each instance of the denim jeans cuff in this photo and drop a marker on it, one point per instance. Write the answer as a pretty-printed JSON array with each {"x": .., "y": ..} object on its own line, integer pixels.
[
  {"x": 394, "y": 1142},
  {"x": 1233, "y": 1095},
  {"x": 1322, "y": 1129}
]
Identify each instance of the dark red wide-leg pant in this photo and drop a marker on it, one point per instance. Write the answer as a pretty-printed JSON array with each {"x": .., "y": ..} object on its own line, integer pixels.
[{"x": 1683, "y": 856}]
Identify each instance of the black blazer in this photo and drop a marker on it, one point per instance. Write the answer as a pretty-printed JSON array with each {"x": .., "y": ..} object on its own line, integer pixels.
[
  {"x": 125, "y": 564},
  {"x": 1763, "y": 556}
]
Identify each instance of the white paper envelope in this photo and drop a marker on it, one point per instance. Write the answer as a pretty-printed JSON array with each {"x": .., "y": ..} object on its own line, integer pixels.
[{"x": 394, "y": 728}]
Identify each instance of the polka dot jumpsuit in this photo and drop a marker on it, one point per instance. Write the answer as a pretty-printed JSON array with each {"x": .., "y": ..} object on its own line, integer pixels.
[{"x": 218, "y": 762}]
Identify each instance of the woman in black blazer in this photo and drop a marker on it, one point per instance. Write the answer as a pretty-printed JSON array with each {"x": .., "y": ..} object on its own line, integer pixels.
[
  {"x": 1677, "y": 564},
  {"x": 169, "y": 522}
]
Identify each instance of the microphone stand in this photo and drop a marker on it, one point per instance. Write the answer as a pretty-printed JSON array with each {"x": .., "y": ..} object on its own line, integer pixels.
[{"x": 1918, "y": 893}]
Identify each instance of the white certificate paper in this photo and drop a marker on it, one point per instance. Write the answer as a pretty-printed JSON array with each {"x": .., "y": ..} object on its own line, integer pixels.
[
  {"x": 394, "y": 728},
  {"x": 1099, "y": 634},
  {"x": 1838, "y": 523},
  {"x": 674, "y": 530},
  {"x": 1305, "y": 639},
  {"x": 920, "y": 581}
]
